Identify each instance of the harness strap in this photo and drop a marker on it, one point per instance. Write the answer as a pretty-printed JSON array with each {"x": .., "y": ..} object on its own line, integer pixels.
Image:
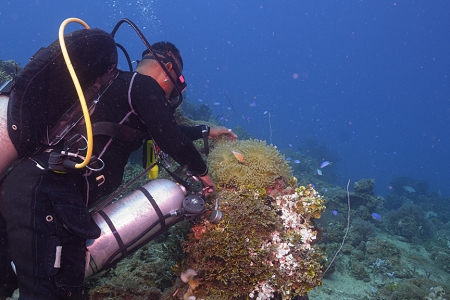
[
  {"x": 119, "y": 131},
  {"x": 162, "y": 220},
  {"x": 126, "y": 117}
]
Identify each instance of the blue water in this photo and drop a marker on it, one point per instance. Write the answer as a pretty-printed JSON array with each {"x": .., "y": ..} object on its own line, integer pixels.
[{"x": 370, "y": 79}]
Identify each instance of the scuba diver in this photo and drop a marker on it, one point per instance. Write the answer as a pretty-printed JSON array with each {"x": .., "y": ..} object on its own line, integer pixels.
[{"x": 45, "y": 220}]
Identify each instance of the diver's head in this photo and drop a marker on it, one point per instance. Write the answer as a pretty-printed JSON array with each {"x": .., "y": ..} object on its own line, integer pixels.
[
  {"x": 170, "y": 56},
  {"x": 167, "y": 49}
]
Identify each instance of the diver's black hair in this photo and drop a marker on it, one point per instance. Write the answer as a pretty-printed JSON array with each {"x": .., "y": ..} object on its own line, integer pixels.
[{"x": 169, "y": 49}]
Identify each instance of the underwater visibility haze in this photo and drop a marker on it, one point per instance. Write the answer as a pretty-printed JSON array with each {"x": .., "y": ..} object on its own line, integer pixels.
[{"x": 345, "y": 90}]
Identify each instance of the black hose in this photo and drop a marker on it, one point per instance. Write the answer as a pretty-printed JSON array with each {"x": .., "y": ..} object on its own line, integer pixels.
[
  {"x": 126, "y": 55},
  {"x": 144, "y": 40}
]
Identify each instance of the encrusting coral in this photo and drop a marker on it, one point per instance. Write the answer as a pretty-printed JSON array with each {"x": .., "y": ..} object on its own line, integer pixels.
[
  {"x": 262, "y": 248},
  {"x": 8, "y": 69},
  {"x": 262, "y": 165}
]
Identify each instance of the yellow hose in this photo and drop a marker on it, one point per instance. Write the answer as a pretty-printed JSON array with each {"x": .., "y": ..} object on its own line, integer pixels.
[{"x": 87, "y": 119}]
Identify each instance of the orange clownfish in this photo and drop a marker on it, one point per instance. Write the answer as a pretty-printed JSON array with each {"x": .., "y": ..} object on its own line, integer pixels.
[{"x": 238, "y": 156}]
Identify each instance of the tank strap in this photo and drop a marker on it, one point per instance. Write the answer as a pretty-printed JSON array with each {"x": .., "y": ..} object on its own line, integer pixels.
[
  {"x": 155, "y": 206},
  {"x": 108, "y": 221}
]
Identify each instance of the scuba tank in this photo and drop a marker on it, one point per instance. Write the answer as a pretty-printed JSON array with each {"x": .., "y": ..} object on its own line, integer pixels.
[{"x": 133, "y": 221}]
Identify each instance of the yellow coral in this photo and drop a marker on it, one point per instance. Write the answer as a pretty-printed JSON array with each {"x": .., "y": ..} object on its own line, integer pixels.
[{"x": 262, "y": 164}]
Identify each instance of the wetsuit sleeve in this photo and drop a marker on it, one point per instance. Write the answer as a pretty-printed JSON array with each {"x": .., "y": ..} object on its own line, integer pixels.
[
  {"x": 149, "y": 102},
  {"x": 193, "y": 133}
]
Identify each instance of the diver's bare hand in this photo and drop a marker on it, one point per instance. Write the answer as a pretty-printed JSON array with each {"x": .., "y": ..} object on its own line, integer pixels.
[
  {"x": 218, "y": 130},
  {"x": 209, "y": 184}
]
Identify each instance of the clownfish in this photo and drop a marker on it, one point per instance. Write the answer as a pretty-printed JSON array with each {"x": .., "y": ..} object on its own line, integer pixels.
[{"x": 238, "y": 156}]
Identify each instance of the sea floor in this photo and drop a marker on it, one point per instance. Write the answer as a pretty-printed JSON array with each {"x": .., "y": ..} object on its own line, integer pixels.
[{"x": 340, "y": 285}]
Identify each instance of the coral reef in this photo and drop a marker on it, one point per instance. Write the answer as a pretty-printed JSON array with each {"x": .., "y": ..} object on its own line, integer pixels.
[
  {"x": 362, "y": 231},
  {"x": 430, "y": 201},
  {"x": 196, "y": 112},
  {"x": 8, "y": 69},
  {"x": 262, "y": 247},
  {"x": 442, "y": 259},
  {"x": 399, "y": 184},
  {"x": 359, "y": 272},
  {"x": 414, "y": 289},
  {"x": 242, "y": 134},
  {"x": 363, "y": 201},
  {"x": 364, "y": 186},
  {"x": 436, "y": 293},
  {"x": 200, "y": 112},
  {"x": 409, "y": 221},
  {"x": 262, "y": 164}
]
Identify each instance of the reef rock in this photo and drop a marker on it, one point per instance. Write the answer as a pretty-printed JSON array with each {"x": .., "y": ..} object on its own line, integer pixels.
[{"x": 399, "y": 184}]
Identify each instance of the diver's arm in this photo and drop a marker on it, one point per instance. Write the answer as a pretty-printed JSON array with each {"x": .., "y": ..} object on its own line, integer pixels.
[
  {"x": 195, "y": 132},
  {"x": 148, "y": 100}
]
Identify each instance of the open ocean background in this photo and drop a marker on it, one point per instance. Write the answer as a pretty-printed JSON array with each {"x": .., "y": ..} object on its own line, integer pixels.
[
  {"x": 364, "y": 81},
  {"x": 369, "y": 79}
]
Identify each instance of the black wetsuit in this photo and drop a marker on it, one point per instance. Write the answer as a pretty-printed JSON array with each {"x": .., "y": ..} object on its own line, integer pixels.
[{"x": 44, "y": 210}]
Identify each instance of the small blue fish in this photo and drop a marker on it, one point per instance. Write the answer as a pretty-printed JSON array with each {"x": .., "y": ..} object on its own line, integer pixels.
[
  {"x": 265, "y": 112},
  {"x": 229, "y": 108},
  {"x": 288, "y": 159},
  {"x": 335, "y": 212},
  {"x": 325, "y": 163},
  {"x": 325, "y": 190},
  {"x": 290, "y": 145},
  {"x": 216, "y": 103},
  {"x": 312, "y": 185},
  {"x": 253, "y": 104},
  {"x": 376, "y": 216},
  {"x": 297, "y": 161}
]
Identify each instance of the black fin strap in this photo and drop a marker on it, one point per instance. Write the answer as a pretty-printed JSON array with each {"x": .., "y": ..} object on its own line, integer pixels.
[
  {"x": 162, "y": 220},
  {"x": 108, "y": 221}
]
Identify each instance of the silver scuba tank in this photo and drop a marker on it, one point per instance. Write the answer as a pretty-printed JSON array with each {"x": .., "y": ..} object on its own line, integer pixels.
[
  {"x": 7, "y": 150},
  {"x": 131, "y": 222}
]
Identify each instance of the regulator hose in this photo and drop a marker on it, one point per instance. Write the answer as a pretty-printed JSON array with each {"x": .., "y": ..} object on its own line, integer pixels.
[{"x": 87, "y": 118}]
